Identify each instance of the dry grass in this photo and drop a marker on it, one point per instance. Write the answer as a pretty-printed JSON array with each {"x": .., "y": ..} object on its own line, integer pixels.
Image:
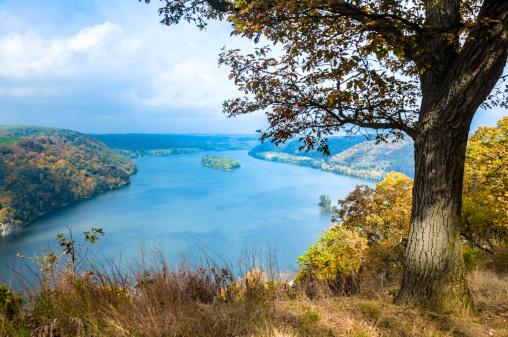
[
  {"x": 490, "y": 290},
  {"x": 153, "y": 299}
]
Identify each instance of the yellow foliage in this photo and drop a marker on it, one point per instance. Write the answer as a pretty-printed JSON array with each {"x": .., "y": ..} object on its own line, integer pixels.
[
  {"x": 374, "y": 222},
  {"x": 337, "y": 252},
  {"x": 485, "y": 195},
  {"x": 254, "y": 284},
  {"x": 380, "y": 214}
]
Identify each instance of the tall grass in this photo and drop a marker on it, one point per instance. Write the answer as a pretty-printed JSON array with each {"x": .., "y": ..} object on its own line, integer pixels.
[{"x": 219, "y": 297}]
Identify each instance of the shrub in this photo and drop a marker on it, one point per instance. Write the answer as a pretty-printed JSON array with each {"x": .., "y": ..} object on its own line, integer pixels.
[
  {"x": 11, "y": 303},
  {"x": 336, "y": 257}
]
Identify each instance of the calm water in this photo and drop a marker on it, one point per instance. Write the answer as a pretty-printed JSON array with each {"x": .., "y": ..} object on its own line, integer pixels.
[{"x": 179, "y": 204}]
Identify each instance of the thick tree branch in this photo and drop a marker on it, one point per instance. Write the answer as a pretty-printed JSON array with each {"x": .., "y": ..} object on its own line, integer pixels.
[
  {"x": 344, "y": 119},
  {"x": 221, "y": 5},
  {"x": 482, "y": 60}
]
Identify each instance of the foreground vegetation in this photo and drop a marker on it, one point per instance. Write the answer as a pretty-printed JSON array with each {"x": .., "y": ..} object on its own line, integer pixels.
[
  {"x": 151, "y": 298},
  {"x": 47, "y": 168},
  {"x": 227, "y": 164}
]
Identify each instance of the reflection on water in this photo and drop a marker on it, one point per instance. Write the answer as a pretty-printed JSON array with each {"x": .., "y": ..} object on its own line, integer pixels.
[{"x": 180, "y": 204}]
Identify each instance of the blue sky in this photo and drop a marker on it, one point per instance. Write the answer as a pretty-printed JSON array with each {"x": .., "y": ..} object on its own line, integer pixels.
[{"x": 109, "y": 67}]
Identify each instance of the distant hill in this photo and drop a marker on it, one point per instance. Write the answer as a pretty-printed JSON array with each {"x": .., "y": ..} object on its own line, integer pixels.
[
  {"x": 137, "y": 145},
  {"x": 383, "y": 158},
  {"x": 349, "y": 156},
  {"x": 335, "y": 145},
  {"x": 42, "y": 169}
]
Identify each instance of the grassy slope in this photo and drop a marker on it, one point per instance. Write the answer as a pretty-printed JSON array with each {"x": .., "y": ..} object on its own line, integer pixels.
[{"x": 154, "y": 300}]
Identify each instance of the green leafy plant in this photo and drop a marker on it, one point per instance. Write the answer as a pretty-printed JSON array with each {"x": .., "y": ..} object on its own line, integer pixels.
[
  {"x": 11, "y": 303},
  {"x": 337, "y": 252}
]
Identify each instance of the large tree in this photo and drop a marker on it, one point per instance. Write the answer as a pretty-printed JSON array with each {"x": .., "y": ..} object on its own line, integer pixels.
[{"x": 416, "y": 68}]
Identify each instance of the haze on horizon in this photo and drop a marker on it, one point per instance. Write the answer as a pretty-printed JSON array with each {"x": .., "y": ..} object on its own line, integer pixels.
[{"x": 110, "y": 67}]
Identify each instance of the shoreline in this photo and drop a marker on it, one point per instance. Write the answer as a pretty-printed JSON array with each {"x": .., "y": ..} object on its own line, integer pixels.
[
  {"x": 303, "y": 161},
  {"x": 6, "y": 229}
]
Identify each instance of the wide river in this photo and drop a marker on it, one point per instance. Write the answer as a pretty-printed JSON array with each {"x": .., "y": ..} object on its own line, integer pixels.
[{"x": 180, "y": 205}]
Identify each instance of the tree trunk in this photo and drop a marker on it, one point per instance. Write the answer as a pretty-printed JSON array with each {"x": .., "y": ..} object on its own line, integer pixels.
[
  {"x": 434, "y": 269},
  {"x": 452, "y": 90}
]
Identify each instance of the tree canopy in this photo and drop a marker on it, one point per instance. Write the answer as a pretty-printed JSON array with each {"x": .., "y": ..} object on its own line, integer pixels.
[
  {"x": 420, "y": 68},
  {"x": 347, "y": 65}
]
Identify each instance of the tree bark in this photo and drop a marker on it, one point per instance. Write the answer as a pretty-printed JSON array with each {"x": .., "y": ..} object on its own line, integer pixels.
[
  {"x": 452, "y": 91},
  {"x": 434, "y": 268}
]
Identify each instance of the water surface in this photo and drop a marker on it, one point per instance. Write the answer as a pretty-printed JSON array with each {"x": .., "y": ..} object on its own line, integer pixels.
[{"x": 179, "y": 204}]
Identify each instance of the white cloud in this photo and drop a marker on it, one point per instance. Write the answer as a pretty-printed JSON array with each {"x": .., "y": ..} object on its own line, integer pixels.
[
  {"x": 32, "y": 56},
  {"x": 192, "y": 83},
  {"x": 72, "y": 62},
  {"x": 157, "y": 72},
  {"x": 93, "y": 39},
  {"x": 28, "y": 91}
]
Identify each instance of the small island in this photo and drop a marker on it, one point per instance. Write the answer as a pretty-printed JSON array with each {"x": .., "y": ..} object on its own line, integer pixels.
[{"x": 227, "y": 164}]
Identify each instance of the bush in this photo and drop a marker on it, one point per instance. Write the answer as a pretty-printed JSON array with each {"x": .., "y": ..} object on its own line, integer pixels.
[
  {"x": 336, "y": 258},
  {"x": 11, "y": 303}
]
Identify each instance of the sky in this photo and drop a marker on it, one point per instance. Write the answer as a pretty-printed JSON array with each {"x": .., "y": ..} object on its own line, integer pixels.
[{"x": 109, "y": 66}]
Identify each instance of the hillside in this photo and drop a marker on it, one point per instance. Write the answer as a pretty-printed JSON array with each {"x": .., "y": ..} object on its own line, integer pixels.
[
  {"x": 369, "y": 157},
  {"x": 335, "y": 145},
  {"x": 137, "y": 145},
  {"x": 349, "y": 156},
  {"x": 43, "y": 169}
]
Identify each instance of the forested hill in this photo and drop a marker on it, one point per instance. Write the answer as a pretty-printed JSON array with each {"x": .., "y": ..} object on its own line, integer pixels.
[
  {"x": 42, "y": 169},
  {"x": 136, "y": 145},
  {"x": 335, "y": 145},
  {"x": 350, "y": 156}
]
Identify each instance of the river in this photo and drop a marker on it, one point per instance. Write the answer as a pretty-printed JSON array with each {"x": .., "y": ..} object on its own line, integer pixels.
[{"x": 178, "y": 204}]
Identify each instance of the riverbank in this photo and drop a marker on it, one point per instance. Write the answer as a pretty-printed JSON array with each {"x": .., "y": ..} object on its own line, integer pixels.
[
  {"x": 280, "y": 157},
  {"x": 14, "y": 226},
  {"x": 156, "y": 153},
  {"x": 351, "y": 157}
]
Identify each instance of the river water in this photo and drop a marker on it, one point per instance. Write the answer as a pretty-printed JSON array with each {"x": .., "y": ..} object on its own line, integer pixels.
[{"x": 178, "y": 204}]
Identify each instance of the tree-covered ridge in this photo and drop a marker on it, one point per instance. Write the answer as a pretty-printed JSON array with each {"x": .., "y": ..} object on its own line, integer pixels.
[
  {"x": 335, "y": 145},
  {"x": 156, "y": 152},
  {"x": 144, "y": 143},
  {"x": 50, "y": 168},
  {"x": 227, "y": 164},
  {"x": 383, "y": 158},
  {"x": 350, "y": 156},
  {"x": 87, "y": 144}
]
